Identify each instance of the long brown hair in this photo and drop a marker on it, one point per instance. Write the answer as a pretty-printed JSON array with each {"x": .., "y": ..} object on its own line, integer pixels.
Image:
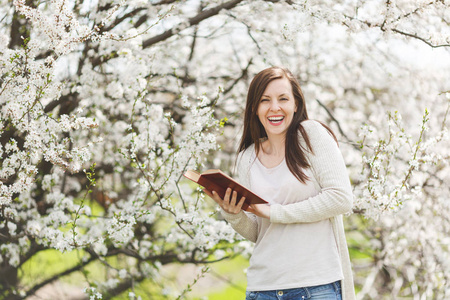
[{"x": 254, "y": 131}]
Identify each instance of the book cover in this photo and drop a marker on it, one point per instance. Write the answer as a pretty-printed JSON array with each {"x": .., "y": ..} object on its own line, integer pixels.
[{"x": 216, "y": 180}]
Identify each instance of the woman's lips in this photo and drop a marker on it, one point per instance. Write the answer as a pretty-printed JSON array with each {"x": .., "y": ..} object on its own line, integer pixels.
[{"x": 276, "y": 120}]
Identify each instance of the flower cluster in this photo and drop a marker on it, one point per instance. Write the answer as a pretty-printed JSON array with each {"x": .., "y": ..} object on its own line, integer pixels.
[{"x": 390, "y": 163}]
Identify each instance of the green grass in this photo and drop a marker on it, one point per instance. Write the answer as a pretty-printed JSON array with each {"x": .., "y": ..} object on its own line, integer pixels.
[
  {"x": 45, "y": 264},
  {"x": 226, "y": 279},
  {"x": 230, "y": 278}
]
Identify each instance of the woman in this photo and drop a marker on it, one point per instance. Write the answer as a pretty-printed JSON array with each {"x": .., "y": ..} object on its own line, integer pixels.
[{"x": 295, "y": 164}]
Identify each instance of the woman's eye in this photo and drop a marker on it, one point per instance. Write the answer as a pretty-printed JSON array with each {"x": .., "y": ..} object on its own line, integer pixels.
[
  {"x": 284, "y": 99},
  {"x": 264, "y": 100}
]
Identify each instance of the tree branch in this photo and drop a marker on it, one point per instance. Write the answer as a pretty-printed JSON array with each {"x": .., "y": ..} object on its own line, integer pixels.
[
  {"x": 57, "y": 276},
  {"x": 382, "y": 28},
  {"x": 419, "y": 38},
  {"x": 191, "y": 22},
  {"x": 121, "y": 287},
  {"x": 121, "y": 19},
  {"x": 249, "y": 31},
  {"x": 165, "y": 2},
  {"x": 338, "y": 125},
  {"x": 243, "y": 74}
]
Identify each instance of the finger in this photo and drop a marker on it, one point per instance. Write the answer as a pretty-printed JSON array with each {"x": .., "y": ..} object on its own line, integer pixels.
[
  {"x": 233, "y": 208},
  {"x": 217, "y": 198},
  {"x": 226, "y": 199},
  {"x": 214, "y": 196},
  {"x": 251, "y": 209},
  {"x": 240, "y": 203},
  {"x": 208, "y": 193},
  {"x": 261, "y": 210},
  {"x": 233, "y": 199}
]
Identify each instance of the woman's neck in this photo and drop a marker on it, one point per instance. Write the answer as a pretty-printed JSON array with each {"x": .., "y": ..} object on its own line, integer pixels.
[{"x": 274, "y": 146}]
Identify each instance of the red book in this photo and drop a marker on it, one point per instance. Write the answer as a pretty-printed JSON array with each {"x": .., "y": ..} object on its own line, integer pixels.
[{"x": 218, "y": 181}]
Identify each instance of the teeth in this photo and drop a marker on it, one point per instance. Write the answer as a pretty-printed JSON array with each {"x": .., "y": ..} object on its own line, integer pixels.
[{"x": 275, "y": 119}]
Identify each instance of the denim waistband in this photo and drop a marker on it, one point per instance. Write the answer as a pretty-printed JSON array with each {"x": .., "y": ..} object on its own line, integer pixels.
[
  {"x": 312, "y": 289},
  {"x": 301, "y": 293}
]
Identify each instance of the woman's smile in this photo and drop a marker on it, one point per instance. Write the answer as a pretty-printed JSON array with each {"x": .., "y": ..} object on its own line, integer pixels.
[{"x": 275, "y": 120}]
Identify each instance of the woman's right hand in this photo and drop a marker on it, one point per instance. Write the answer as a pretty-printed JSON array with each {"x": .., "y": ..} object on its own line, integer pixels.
[{"x": 229, "y": 203}]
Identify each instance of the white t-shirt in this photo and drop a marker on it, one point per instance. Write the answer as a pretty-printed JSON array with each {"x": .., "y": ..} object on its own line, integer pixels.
[{"x": 290, "y": 255}]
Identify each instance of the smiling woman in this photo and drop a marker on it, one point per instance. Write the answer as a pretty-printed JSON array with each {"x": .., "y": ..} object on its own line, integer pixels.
[{"x": 295, "y": 164}]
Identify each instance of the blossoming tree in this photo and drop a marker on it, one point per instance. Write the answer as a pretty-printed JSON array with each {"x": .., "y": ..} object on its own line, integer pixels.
[{"x": 104, "y": 104}]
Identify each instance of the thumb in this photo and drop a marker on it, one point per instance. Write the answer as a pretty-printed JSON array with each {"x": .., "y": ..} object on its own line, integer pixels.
[{"x": 250, "y": 209}]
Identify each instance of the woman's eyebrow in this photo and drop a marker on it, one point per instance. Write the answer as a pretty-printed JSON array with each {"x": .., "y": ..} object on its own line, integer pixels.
[{"x": 283, "y": 94}]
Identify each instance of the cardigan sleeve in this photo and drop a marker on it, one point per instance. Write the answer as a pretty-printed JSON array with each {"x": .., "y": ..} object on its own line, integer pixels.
[
  {"x": 243, "y": 223},
  {"x": 330, "y": 172}
]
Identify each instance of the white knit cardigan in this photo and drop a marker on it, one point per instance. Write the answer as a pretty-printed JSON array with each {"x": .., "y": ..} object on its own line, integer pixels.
[{"x": 335, "y": 197}]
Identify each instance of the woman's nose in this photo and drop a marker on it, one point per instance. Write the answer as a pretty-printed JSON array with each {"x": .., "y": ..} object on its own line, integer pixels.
[{"x": 274, "y": 106}]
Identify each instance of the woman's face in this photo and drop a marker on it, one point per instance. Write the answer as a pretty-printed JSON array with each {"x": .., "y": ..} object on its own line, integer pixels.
[{"x": 277, "y": 107}]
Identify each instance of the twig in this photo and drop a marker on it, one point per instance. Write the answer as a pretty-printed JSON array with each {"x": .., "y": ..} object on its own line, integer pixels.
[
  {"x": 338, "y": 125},
  {"x": 419, "y": 38},
  {"x": 191, "y": 22}
]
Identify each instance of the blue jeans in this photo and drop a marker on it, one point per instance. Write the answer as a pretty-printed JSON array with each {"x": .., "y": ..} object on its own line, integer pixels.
[{"x": 330, "y": 291}]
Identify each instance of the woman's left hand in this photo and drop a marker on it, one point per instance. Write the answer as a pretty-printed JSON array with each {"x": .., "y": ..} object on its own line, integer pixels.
[{"x": 261, "y": 210}]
